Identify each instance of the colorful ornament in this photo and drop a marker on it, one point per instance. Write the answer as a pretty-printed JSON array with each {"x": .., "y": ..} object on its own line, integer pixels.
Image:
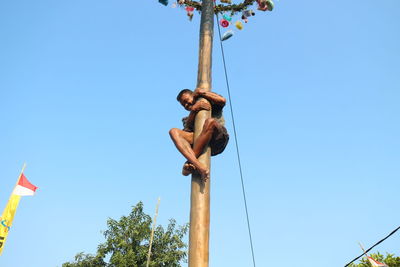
[
  {"x": 164, "y": 2},
  {"x": 270, "y": 5},
  {"x": 228, "y": 18},
  {"x": 227, "y": 35},
  {"x": 239, "y": 25},
  {"x": 224, "y": 23},
  {"x": 248, "y": 13},
  {"x": 189, "y": 10},
  {"x": 265, "y": 5}
]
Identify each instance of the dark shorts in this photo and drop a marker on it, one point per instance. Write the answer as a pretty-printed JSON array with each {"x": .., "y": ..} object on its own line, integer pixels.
[{"x": 219, "y": 141}]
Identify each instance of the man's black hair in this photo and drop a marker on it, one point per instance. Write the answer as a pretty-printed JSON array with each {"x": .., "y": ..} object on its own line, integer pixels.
[{"x": 184, "y": 91}]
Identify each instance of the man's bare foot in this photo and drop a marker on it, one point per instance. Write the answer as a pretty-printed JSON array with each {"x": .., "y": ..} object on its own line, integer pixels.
[
  {"x": 188, "y": 168},
  {"x": 204, "y": 173}
]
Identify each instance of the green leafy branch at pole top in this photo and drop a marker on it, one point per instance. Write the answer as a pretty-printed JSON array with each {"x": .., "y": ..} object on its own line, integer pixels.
[
  {"x": 227, "y": 6},
  {"x": 227, "y": 9}
]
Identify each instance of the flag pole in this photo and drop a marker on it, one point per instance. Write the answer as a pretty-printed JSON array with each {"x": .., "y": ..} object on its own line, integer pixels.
[
  {"x": 361, "y": 246},
  {"x": 22, "y": 171},
  {"x": 152, "y": 232},
  {"x": 19, "y": 177}
]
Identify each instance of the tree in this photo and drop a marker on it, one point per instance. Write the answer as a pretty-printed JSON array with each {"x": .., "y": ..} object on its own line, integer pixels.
[
  {"x": 390, "y": 260},
  {"x": 127, "y": 244}
]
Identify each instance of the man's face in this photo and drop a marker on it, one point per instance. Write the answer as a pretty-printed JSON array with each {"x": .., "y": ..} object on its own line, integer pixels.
[{"x": 186, "y": 101}]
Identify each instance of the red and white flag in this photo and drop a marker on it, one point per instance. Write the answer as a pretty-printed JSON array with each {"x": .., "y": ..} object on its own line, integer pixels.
[
  {"x": 24, "y": 187},
  {"x": 375, "y": 263}
]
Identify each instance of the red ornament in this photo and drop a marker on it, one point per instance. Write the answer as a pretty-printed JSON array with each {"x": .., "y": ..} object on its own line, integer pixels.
[{"x": 224, "y": 23}]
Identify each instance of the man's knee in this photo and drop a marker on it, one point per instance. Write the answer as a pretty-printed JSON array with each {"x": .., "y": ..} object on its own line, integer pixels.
[{"x": 174, "y": 132}]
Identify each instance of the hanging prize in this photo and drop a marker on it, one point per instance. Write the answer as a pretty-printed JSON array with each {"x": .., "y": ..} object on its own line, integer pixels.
[
  {"x": 228, "y": 18},
  {"x": 265, "y": 5},
  {"x": 224, "y": 23},
  {"x": 164, "y": 2},
  {"x": 189, "y": 11},
  {"x": 227, "y": 35},
  {"x": 246, "y": 14},
  {"x": 239, "y": 25}
]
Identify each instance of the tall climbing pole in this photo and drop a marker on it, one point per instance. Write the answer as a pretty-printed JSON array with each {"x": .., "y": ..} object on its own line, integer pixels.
[
  {"x": 199, "y": 232},
  {"x": 200, "y": 191}
]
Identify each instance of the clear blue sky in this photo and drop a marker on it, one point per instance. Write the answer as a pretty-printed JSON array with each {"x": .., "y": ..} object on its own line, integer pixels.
[{"x": 87, "y": 96}]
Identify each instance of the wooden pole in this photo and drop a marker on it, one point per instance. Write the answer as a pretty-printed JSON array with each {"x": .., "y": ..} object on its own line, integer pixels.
[
  {"x": 200, "y": 190},
  {"x": 19, "y": 177},
  {"x": 152, "y": 233},
  {"x": 361, "y": 246},
  {"x": 22, "y": 171}
]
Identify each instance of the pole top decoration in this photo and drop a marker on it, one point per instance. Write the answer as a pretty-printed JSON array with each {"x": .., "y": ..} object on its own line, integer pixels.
[
  {"x": 227, "y": 9},
  {"x": 225, "y": 6},
  {"x": 228, "y": 6}
]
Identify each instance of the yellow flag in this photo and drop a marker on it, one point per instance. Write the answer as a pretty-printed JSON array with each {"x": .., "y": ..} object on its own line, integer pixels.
[
  {"x": 7, "y": 219},
  {"x": 22, "y": 188}
]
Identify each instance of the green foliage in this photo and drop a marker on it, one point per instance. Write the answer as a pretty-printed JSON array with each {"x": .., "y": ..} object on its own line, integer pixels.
[
  {"x": 232, "y": 8},
  {"x": 127, "y": 244},
  {"x": 390, "y": 260}
]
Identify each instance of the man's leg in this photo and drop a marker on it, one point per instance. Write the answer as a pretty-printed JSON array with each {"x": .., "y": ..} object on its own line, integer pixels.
[
  {"x": 183, "y": 141},
  {"x": 210, "y": 129}
]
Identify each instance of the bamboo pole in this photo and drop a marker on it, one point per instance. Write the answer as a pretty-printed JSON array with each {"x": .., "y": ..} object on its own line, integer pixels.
[
  {"x": 152, "y": 233},
  {"x": 200, "y": 190},
  {"x": 361, "y": 246},
  {"x": 19, "y": 177},
  {"x": 22, "y": 171}
]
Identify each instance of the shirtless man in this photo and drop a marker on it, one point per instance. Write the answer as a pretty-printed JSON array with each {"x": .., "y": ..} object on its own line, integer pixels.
[{"x": 214, "y": 132}]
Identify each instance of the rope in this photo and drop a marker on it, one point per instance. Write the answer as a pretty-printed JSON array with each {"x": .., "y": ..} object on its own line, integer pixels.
[
  {"x": 394, "y": 231},
  {"x": 237, "y": 146}
]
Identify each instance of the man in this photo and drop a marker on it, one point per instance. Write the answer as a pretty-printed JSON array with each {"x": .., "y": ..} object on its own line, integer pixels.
[{"x": 213, "y": 133}]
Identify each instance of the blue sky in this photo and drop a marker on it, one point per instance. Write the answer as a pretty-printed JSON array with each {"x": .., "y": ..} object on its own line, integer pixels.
[{"x": 87, "y": 96}]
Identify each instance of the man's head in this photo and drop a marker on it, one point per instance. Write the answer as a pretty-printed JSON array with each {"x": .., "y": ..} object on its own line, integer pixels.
[{"x": 185, "y": 97}]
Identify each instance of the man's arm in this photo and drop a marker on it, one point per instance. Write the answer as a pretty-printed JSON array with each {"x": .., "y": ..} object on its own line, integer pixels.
[
  {"x": 210, "y": 96},
  {"x": 188, "y": 121}
]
